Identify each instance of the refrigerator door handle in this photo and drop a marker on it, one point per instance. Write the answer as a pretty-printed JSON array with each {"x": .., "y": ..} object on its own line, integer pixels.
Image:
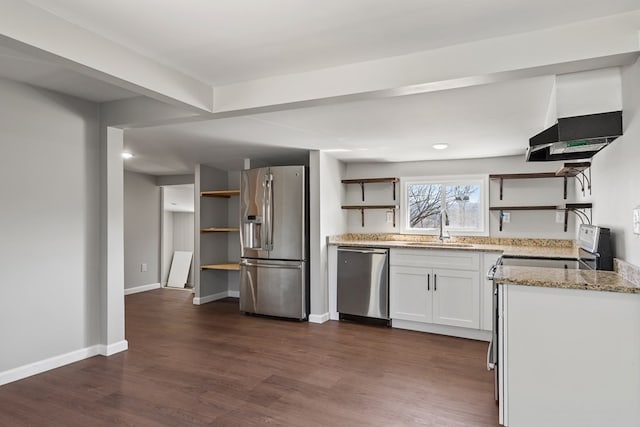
[
  {"x": 268, "y": 201},
  {"x": 246, "y": 263}
]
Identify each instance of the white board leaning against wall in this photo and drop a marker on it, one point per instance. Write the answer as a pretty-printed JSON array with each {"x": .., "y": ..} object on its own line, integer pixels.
[{"x": 180, "y": 266}]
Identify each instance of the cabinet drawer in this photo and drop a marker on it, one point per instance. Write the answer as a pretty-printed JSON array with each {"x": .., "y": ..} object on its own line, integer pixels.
[{"x": 449, "y": 258}]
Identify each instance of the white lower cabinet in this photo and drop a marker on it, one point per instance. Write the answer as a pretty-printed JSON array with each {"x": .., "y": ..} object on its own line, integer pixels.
[
  {"x": 456, "y": 298},
  {"x": 412, "y": 300},
  {"x": 435, "y": 288}
]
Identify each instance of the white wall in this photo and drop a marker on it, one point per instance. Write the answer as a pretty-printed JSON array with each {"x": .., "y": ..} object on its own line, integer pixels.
[
  {"x": 49, "y": 225},
  {"x": 616, "y": 183},
  {"x": 532, "y": 224},
  {"x": 326, "y": 219},
  {"x": 141, "y": 229}
]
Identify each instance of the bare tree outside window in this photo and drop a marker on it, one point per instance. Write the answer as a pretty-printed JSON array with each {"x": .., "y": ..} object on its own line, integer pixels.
[
  {"x": 463, "y": 205},
  {"x": 425, "y": 203}
]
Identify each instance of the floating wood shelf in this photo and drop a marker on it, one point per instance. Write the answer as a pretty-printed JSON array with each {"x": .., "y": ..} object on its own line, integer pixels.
[
  {"x": 524, "y": 208},
  {"x": 573, "y": 169},
  {"x": 228, "y": 266},
  {"x": 577, "y": 170},
  {"x": 220, "y": 193},
  {"x": 576, "y": 208},
  {"x": 218, "y": 230},
  {"x": 363, "y": 181},
  {"x": 536, "y": 175},
  {"x": 362, "y": 208}
]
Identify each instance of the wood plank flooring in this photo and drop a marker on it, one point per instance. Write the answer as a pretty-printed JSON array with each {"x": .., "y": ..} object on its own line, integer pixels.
[{"x": 209, "y": 365}]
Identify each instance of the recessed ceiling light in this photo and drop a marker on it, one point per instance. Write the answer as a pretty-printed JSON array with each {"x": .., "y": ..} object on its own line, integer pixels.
[
  {"x": 440, "y": 146},
  {"x": 126, "y": 155}
]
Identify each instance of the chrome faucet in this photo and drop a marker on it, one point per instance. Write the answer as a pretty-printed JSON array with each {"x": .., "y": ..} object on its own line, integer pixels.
[{"x": 444, "y": 221}]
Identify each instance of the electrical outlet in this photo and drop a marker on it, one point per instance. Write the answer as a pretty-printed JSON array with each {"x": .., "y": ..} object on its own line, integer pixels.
[
  {"x": 389, "y": 216},
  {"x": 143, "y": 267},
  {"x": 506, "y": 217},
  {"x": 559, "y": 217}
]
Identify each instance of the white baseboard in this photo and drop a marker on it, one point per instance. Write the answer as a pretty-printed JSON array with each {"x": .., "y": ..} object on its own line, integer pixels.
[
  {"x": 143, "y": 288},
  {"x": 54, "y": 362},
  {"x": 233, "y": 294},
  {"x": 108, "y": 350},
  {"x": 40, "y": 366},
  {"x": 473, "y": 334},
  {"x": 209, "y": 298},
  {"x": 318, "y": 318}
]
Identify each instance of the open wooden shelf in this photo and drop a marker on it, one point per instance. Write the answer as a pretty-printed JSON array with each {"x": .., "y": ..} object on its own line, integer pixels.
[
  {"x": 576, "y": 208},
  {"x": 228, "y": 267},
  {"x": 369, "y": 180},
  {"x": 363, "y": 181},
  {"x": 573, "y": 169},
  {"x": 362, "y": 208},
  {"x": 370, "y": 207},
  {"x": 218, "y": 230},
  {"x": 524, "y": 208},
  {"x": 220, "y": 193}
]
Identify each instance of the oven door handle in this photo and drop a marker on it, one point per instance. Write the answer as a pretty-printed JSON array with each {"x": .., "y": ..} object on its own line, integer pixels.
[
  {"x": 492, "y": 271},
  {"x": 490, "y": 365}
]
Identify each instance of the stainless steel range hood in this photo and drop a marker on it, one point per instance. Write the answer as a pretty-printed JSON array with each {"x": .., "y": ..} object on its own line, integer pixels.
[{"x": 573, "y": 138}]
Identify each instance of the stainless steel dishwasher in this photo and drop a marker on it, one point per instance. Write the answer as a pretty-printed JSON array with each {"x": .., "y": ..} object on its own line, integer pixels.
[{"x": 363, "y": 282}]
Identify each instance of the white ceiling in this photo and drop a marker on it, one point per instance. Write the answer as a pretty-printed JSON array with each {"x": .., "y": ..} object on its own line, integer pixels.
[
  {"x": 236, "y": 40},
  {"x": 481, "y": 121}
]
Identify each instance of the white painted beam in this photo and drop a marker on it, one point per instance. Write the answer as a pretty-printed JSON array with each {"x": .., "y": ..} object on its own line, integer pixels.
[
  {"x": 609, "y": 41},
  {"x": 40, "y": 33},
  {"x": 141, "y": 112}
]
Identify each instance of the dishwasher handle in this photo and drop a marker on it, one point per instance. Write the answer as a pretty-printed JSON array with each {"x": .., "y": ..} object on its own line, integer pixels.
[{"x": 363, "y": 250}]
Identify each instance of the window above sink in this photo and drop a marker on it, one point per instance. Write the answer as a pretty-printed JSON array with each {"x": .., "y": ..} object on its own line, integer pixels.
[{"x": 463, "y": 197}]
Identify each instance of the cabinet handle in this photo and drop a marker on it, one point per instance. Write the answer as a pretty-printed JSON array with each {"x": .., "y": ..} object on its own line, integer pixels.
[
  {"x": 428, "y": 282},
  {"x": 435, "y": 282}
]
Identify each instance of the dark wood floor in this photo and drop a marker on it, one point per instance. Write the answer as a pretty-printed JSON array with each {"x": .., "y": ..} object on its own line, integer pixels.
[{"x": 209, "y": 365}]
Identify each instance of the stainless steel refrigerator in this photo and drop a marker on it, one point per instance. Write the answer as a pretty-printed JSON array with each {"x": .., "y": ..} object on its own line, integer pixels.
[{"x": 273, "y": 240}]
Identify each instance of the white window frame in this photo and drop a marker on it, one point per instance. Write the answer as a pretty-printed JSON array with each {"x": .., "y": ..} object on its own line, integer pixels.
[{"x": 481, "y": 180}]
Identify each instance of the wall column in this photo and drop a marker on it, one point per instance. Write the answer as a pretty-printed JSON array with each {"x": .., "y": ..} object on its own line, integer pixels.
[{"x": 112, "y": 242}]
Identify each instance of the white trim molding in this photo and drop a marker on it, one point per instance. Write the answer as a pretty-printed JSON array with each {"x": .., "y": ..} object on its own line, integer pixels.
[
  {"x": 117, "y": 347},
  {"x": 318, "y": 318},
  {"x": 210, "y": 298},
  {"x": 142, "y": 288},
  {"x": 40, "y": 366},
  {"x": 54, "y": 362},
  {"x": 216, "y": 297}
]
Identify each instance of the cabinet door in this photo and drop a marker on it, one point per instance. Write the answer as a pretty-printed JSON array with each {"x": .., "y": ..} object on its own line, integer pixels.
[
  {"x": 456, "y": 298},
  {"x": 410, "y": 297}
]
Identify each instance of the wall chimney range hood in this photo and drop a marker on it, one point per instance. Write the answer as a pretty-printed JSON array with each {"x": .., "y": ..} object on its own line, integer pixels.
[{"x": 573, "y": 138}]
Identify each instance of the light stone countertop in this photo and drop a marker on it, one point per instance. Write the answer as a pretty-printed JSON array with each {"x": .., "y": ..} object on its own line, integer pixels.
[
  {"x": 590, "y": 280},
  {"x": 531, "y": 247}
]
